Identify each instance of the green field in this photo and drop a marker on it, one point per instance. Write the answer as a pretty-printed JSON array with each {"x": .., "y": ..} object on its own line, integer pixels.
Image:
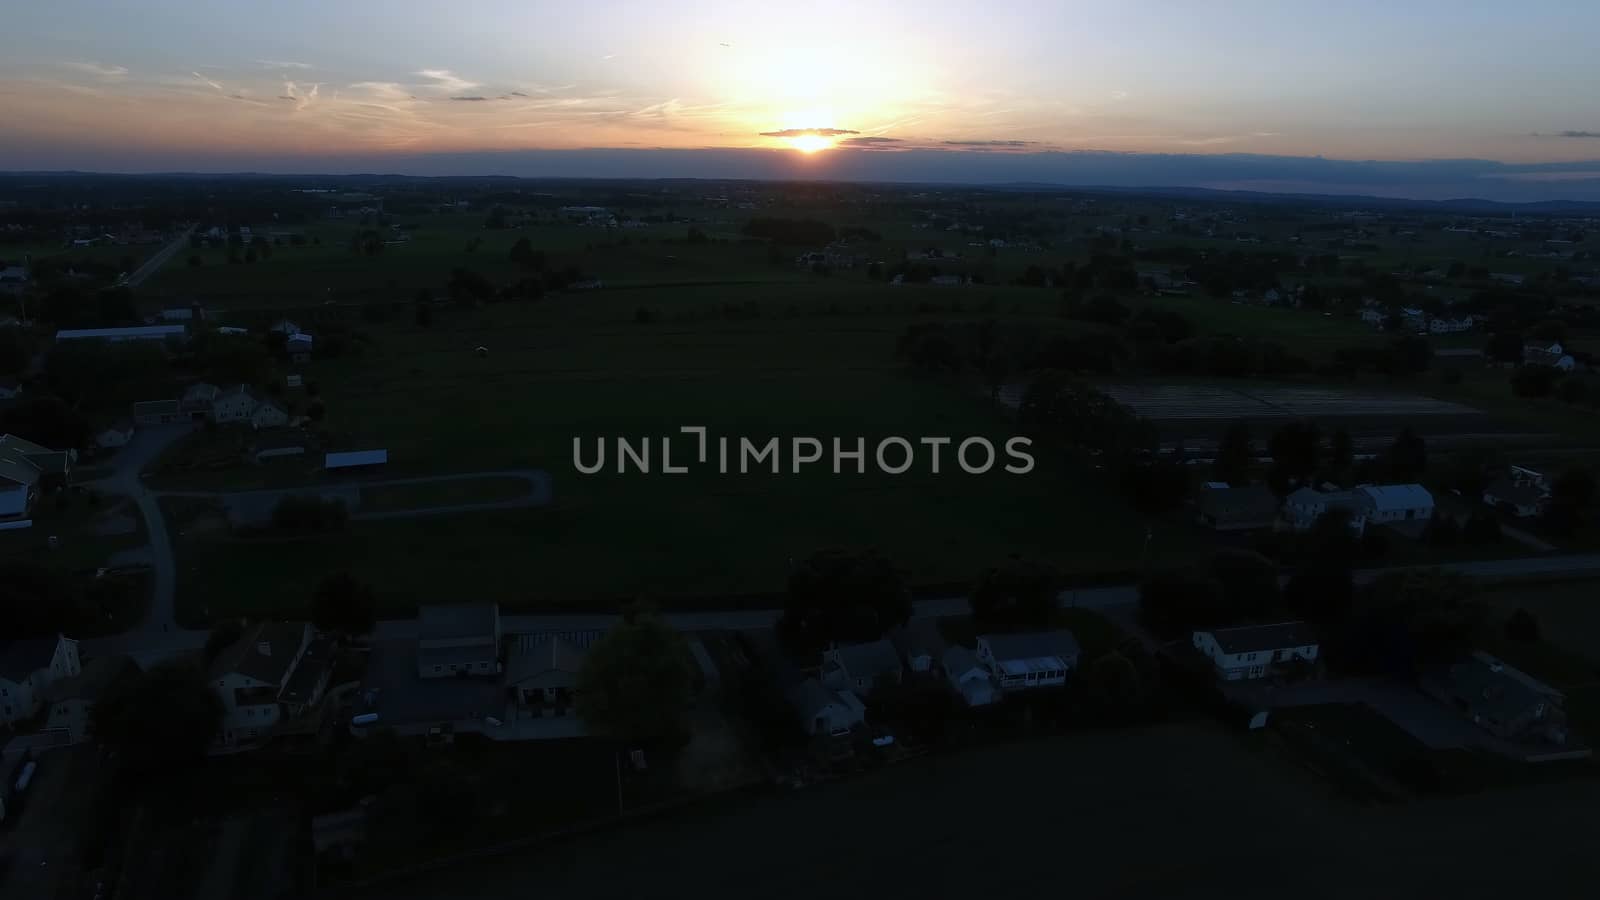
[{"x": 385, "y": 498}]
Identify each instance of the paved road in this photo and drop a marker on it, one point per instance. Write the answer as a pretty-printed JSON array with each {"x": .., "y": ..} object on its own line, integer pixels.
[{"x": 154, "y": 263}]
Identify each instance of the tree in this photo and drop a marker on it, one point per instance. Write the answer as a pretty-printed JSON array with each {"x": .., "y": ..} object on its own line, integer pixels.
[
  {"x": 1504, "y": 346},
  {"x": 636, "y": 681},
  {"x": 1550, "y": 331},
  {"x": 1294, "y": 448},
  {"x": 1018, "y": 593},
  {"x": 161, "y": 721},
  {"x": 1522, "y": 626},
  {"x": 1114, "y": 684},
  {"x": 1408, "y": 456},
  {"x": 344, "y": 606},
  {"x": 1416, "y": 616},
  {"x": 223, "y": 635},
  {"x": 1573, "y": 391},
  {"x": 842, "y": 596},
  {"x": 1234, "y": 455},
  {"x": 1341, "y": 450},
  {"x": 1442, "y": 530},
  {"x": 1322, "y": 593},
  {"x": 48, "y": 421}
]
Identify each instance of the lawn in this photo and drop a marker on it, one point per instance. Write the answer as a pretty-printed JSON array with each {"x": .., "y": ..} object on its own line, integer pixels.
[{"x": 429, "y": 494}]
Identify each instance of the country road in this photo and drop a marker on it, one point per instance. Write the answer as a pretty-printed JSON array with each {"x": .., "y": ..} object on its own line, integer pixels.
[{"x": 154, "y": 263}]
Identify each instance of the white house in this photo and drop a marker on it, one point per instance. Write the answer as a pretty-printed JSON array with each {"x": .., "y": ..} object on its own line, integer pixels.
[
  {"x": 860, "y": 667},
  {"x": 1552, "y": 355},
  {"x": 1521, "y": 491},
  {"x": 919, "y": 642},
  {"x": 236, "y": 404},
  {"x": 260, "y": 673},
  {"x": 1450, "y": 326},
  {"x": 1305, "y": 506},
  {"x": 1031, "y": 659},
  {"x": 27, "y": 670},
  {"x": 458, "y": 639},
  {"x": 1397, "y": 502},
  {"x": 268, "y": 414},
  {"x": 1253, "y": 650},
  {"x": 299, "y": 347},
  {"x": 542, "y": 670},
  {"x": 72, "y": 700},
  {"x": 1373, "y": 317},
  {"x": 824, "y": 712},
  {"x": 968, "y": 677}
]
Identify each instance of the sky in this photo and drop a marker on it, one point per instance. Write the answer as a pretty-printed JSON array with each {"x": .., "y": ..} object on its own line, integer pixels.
[{"x": 970, "y": 91}]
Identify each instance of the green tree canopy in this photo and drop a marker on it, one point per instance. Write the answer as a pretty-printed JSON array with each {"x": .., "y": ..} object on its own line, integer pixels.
[
  {"x": 1017, "y": 593},
  {"x": 344, "y": 606},
  {"x": 842, "y": 596},
  {"x": 161, "y": 721},
  {"x": 637, "y": 681}
]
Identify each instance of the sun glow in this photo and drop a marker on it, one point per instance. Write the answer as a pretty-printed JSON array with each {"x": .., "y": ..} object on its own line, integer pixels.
[{"x": 810, "y": 143}]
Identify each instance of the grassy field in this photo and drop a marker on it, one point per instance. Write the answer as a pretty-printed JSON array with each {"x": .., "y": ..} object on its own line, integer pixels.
[{"x": 426, "y": 495}]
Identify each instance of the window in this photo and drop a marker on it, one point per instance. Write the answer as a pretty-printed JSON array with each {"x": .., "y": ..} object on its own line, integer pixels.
[{"x": 438, "y": 668}]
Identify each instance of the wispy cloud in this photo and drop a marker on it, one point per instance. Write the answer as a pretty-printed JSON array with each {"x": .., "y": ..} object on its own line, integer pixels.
[
  {"x": 472, "y": 99},
  {"x": 301, "y": 99},
  {"x": 984, "y": 145},
  {"x": 1580, "y": 134},
  {"x": 808, "y": 132},
  {"x": 1119, "y": 95},
  {"x": 447, "y": 80},
  {"x": 281, "y": 64},
  {"x": 206, "y": 81},
  {"x": 102, "y": 72}
]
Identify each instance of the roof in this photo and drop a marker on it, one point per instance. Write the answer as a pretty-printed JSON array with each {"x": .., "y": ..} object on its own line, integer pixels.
[
  {"x": 91, "y": 682},
  {"x": 958, "y": 660},
  {"x": 1306, "y": 496},
  {"x": 355, "y": 458},
  {"x": 919, "y": 637},
  {"x": 299, "y": 338},
  {"x": 1397, "y": 496},
  {"x": 1491, "y": 689},
  {"x": 457, "y": 620},
  {"x": 809, "y": 698},
  {"x": 201, "y": 391},
  {"x": 1031, "y": 644},
  {"x": 19, "y": 469},
  {"x": 1251, "y": 501},
  {"x": 1252, "y": 638},
  {"x": 155, "y": 407},
  {"x": 556, "y": 658},
  {"x": 1506, "y": 490},
  {"x": 22, "y": 658},
  {"x": 140, "y": 331},
  {"x": 870, "y": 659},
  {"x": 264, "y": 652},
  {"x": 314, "y": 664},
  {"x": 21, "y": 445}
]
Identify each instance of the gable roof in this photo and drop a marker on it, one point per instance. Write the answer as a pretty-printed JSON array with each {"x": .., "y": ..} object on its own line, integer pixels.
[
  {"x": 553, "y": 657},
  {"x": 1506, "y": 490},
  {"x": 868, "y": 660},
  {"x": 18, "y": 469},
  {"x": 19, "y": 659},
  {"x": 958, "y": 661},
  {"x": 453, "y": 621},
  {"x": 1032, "y": 644},
  {"x": 1386, "y": 497},
  {"x": 201, "y": 391},
  {"x": 1253, "y": 638},
  {"x": 918, "y": 637},
  {"x": 91, "y": 682},
  {"x": 155, "y": 408},
  {"x": 1251, "y": 501},
  {"x": 355, "y": 458},
  {"x": 265, "y": 652}
]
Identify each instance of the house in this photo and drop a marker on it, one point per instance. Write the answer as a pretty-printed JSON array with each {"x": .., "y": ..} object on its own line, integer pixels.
[
  {"x": 860, "y": 667},
  {"x": 268, "y": 414},
  {"x": 120, "y": 335},
  {"x": 542, "y": 670},
  {"x": 197, "y": 400},
  {"x": 1305, "y": 506},
  {"x": 182, "y": 314},
  {"x": 71, "y": 700},
  {"x": 26, "y": 470},
  {"x": 458, "y": 639},
  {"x": 1522, "y": 492},
  {"x": 919, "y": 642},
  {"x": 299, "y": 347},
  {"x": 1504, "y": 701},
  {"x": 234, "y": 405},
  {"x": 1450, "y": 326},
  {"x": 28, "y": 668},
  {"x": 1552, "y": 356},
  {"x": 1373, "y": 317},
  {"x": 158, "y": 412},
  {"x": 1237, "y": 508},
  {"x": 284, "y": 327},
  {"x": 114, "y": 436},
  {"x": 13, "y": 279},
  {"x": 826, "y": 713},
  {"x": 1397, "y": 502},
  {"x": 968, "y": 677},
  {"x": 1029, "y": 659},
  {"x": 1252, "y": 651},
  {"x": 252, "y": 675},
  {"x": 355, "y": 459}
]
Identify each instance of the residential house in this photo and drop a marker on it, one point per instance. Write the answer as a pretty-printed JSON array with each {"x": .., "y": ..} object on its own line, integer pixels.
[
  {"x": 458, "y": 639},
  {"x": 1397, "y": 502},
  {"x": 183, "y": 313},
  {"x": 542, "y": 670},
  {"x": 234, "y": 405},
  {"x": 1373, "y": 317},
  {"x": 1237, "y": 508},
  {"x": 1551, "y": 355},
  {"x": 198, "y": 399},
  {"x": 268, "y": 414},
  {"x": 299, "y": 347},
  {"x": 1504, "y": 701},
  {"x": 252, "y": 676},
  {"x": 860, "y": 667},
  {"x": 27, "y": 670},
  {"x": 120, "y": 335},
  {"x": 969, "y": 677},
  {"x": 1305, "y": 506},
  {"x": 1029, "y": 659},
  {"x": 1521, "y": 492},
  {"x": 1253, "y": 651},
  {"x": 1450, "y": 326},
  {"x": 826, "y": 713},
  {"x": 284, "y": 327},
  {"x": 919, "y": 642},
  {"x": 26, "y": 470},
  {"x": 158, "y": 412},
  {"x": 71, "y": 700},
  {"x": 114, "y": 435}
]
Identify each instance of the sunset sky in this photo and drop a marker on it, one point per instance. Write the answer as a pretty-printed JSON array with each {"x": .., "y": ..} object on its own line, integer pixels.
[{"x": 220, "y": 84}]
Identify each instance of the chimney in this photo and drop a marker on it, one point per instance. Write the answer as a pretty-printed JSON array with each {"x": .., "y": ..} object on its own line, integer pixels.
[{"x": 264, "y": 648}]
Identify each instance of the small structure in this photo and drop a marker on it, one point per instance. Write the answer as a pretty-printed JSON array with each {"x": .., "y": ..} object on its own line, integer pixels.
[
  {"x": 542, "y": 670},
  {"x": 1236, "y": 508},
  {"x": 826, "y": 713},
  {"x": 114, "y": 435},
  {"x": 355, "y": 459},
  {"x": 158, "y": 412},
  {"x": 860, "y": 667},
  {"x": 1030, "y": 659},
  {"x": 968, "y": 677},
  {"x": 299, "y": 347},
  {"x": 1522, "y": 492},
  {"x": 1551, "y": 355},
  {"x": 1253, "y": 651},
  {"x": 253, "y": 674},
  {"x": 197, "y": 399},
  {"x": 120, "y": 335},
  {"x": 458, "y": 639},
  {"x": 26, "y": 470},
  {"x": 268, "y": 414},
  {"x": 275, "y": 443},
  {"x": 1397, "y": 502},
  {"x": 1305, "y": 506}
]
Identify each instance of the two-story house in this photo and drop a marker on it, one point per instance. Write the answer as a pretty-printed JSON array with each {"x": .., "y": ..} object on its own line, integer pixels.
[
  {"x": 1030, "y": 659},
  {"x": 72, "y": 700},
  {"x": 27, "y": 670},
  {"x": 234, "y": 404},
  {"x": 1253, "y": 651},
  {"x": 458, "y": 639},
  {"x": 268, "y": 414},
  {"x": 260, "y": 679},
  {"x": 860, "y": 667},
  {"x": 542, "y": 670},
  {"x": 1305, "y": 506}
]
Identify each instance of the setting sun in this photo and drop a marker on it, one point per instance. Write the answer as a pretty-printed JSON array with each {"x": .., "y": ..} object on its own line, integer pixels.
[{"x": 810, "y": 143}]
